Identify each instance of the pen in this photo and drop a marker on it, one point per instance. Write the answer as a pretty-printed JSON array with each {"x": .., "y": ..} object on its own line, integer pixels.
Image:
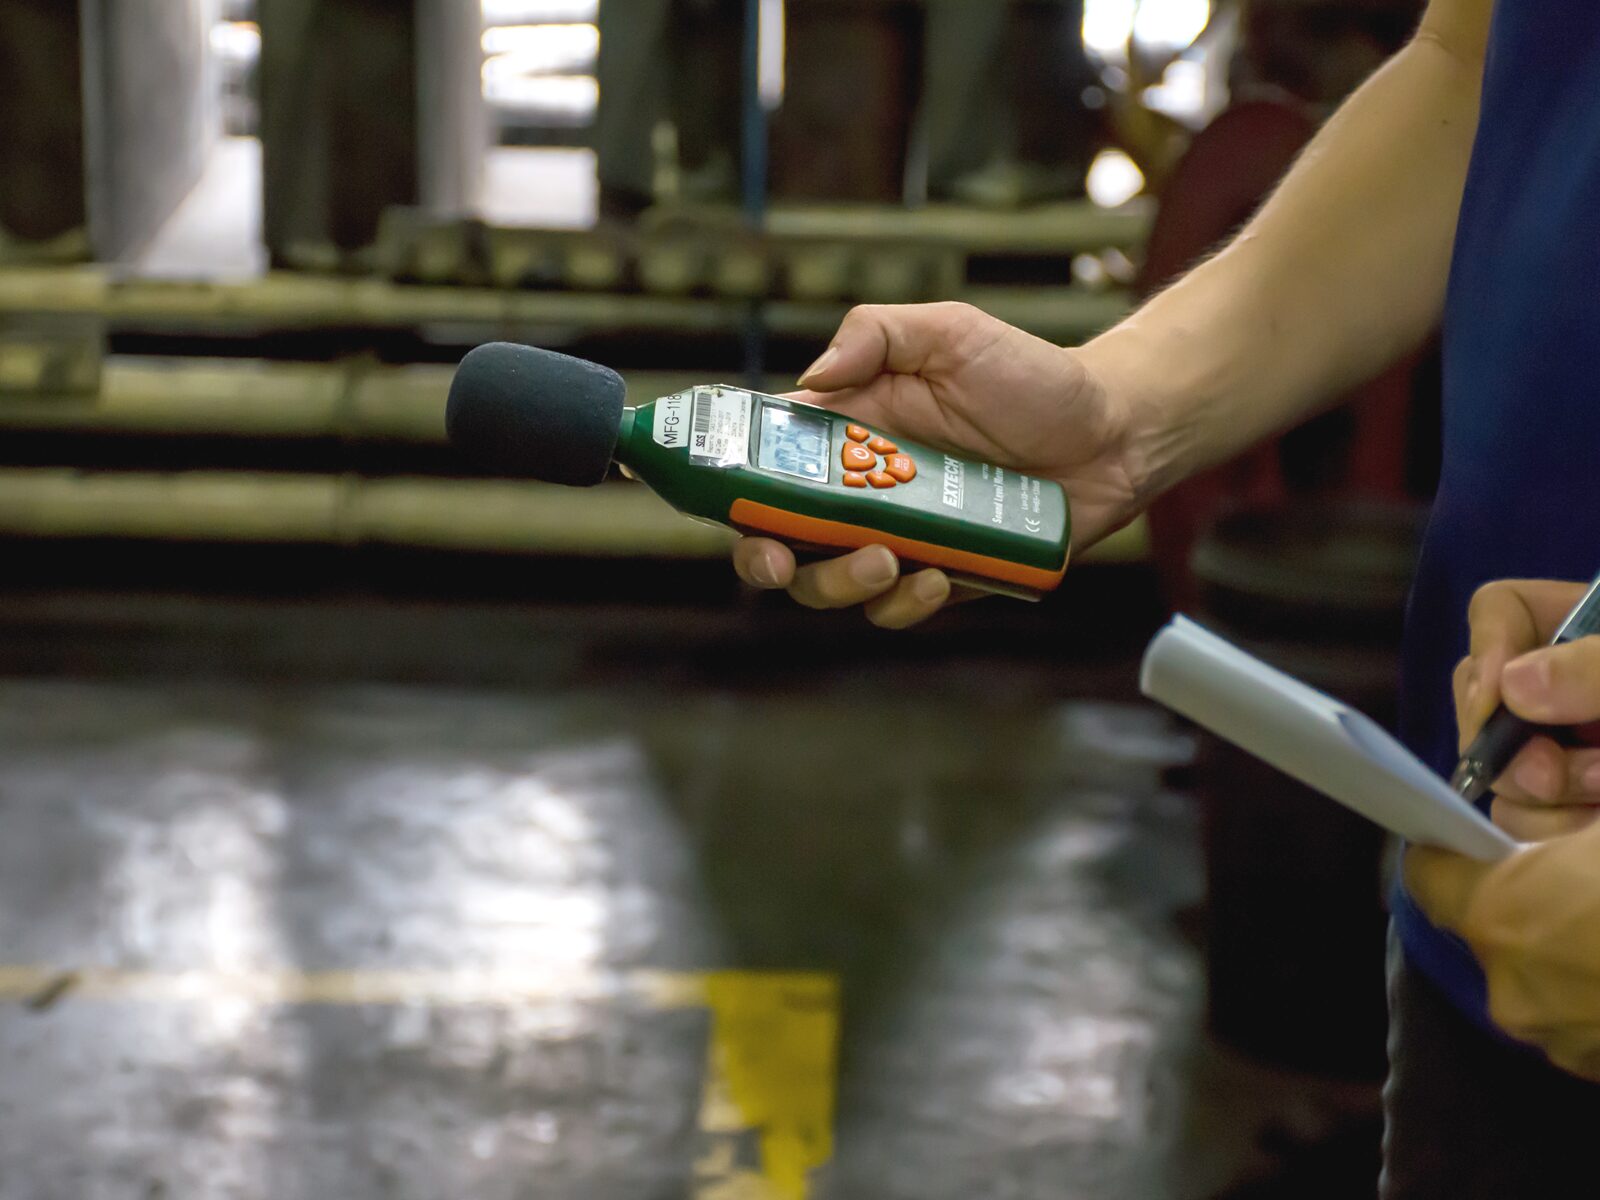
[{"x": 1505, "y": 733}]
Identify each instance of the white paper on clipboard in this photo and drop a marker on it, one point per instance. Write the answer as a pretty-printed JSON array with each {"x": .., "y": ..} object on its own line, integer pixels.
[{"x": 1313, "y": 737}]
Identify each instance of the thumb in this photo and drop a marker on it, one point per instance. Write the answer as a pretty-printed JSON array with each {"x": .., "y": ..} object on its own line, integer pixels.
[
  {"x": 1558, "y": 685},
  {"x": 898, "y": 338},
  {"x": 1443, "y": 883}
]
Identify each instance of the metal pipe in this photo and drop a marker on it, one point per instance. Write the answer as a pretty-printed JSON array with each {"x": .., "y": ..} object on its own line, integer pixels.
[
  {"x": 614, "y": 520},
  {"x": 288, "y": 301},
  {"x": 201, "y": 397}
]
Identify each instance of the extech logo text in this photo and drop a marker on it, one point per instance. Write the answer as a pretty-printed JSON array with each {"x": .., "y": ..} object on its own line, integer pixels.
[{"x": 955, "y": 482}]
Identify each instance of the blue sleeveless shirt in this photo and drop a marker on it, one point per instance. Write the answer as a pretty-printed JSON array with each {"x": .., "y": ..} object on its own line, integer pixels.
[{"x": 1520, "y": 492}]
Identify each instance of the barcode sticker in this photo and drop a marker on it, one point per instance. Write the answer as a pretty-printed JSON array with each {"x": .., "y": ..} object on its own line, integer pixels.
[{"x": 719, "y": 433}]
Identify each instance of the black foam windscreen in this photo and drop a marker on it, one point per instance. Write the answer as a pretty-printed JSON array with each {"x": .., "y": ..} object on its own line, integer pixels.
[{"x": 536, "y": 413}]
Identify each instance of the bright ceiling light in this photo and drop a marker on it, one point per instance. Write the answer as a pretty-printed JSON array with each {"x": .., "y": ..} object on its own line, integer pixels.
[
  {"x": 1114, "y": 179},
  {"x": 1170, "y": 24},
  {"x": 548, "y": 49},
  {"x": 1181, "y": 94},
  {"x": 530, "y": 12},
  {"x": 236, "y": 42},
  {"x": 568, "y": 99},
  {"x": 1107, "y": 26}
]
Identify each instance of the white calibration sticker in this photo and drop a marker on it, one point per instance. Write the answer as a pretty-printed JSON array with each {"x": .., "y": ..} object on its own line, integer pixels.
[
  {"x": 720, "y": 433},
  {"x": 672, "y": 421}
]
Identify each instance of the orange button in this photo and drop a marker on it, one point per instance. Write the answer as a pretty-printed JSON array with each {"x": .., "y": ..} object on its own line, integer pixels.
[
  {"x": 857, "y": 433},
  {"x": 901, "y": 467},
  {"x": 879, "y": 479},
  {"x": 858, "y": 458},
  {"x": 883, "y": 445},
  {"x": 854, "y": 479}
]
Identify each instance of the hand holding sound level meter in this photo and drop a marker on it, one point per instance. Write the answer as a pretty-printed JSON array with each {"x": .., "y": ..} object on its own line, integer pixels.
[{"x": 763, "y": 465}]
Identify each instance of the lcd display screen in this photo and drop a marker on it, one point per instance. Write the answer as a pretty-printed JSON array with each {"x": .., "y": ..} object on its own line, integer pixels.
[{"x": 794, "y": 443}]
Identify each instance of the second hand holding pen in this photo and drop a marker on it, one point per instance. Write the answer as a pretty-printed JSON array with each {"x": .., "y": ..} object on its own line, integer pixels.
[{"x": 1504, "y": 734}]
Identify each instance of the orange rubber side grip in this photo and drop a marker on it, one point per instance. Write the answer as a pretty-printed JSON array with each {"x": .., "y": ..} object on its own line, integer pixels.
[{"x": 793, "y": 527}]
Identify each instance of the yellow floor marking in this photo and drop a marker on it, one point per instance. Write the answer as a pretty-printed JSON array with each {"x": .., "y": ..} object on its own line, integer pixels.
[
  {"x": 766, "y": 1112},
  {"x": 773, "y": 1045}
]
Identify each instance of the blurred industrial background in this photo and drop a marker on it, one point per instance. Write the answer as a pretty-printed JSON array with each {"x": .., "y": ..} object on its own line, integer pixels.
[{"x": 372, "y": 827}]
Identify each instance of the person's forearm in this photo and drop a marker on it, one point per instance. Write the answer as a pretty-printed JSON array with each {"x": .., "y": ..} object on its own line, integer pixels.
[{"x": 1341, "y": 273}]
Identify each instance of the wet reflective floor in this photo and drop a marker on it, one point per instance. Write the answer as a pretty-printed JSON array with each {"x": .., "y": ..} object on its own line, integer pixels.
[{"x": 896, "y": 930}]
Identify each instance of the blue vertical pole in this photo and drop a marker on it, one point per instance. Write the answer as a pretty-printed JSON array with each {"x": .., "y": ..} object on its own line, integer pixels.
[{"x": 754, "y": 182}]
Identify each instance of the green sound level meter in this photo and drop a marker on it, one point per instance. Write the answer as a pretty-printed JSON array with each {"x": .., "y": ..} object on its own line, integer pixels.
[{"x": 765, "y": 465}]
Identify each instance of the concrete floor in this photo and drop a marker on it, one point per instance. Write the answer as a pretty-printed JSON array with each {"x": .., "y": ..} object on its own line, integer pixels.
[{"x": 904, "y": 931}]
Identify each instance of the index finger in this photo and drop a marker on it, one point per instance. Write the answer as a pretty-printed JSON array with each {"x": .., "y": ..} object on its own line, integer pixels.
[
  {"x": 870, "y": 403},
  {"x": 898, "y": 339},
  {"x": 1505, "y": 619},
  {"x": 1519, "y": 613}
]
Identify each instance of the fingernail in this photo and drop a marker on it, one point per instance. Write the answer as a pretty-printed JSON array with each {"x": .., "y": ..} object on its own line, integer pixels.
[
  {"x": 1591, "y": 778},
  {"x": 821, "y": 365},
  {"x": 763, "y": 572},
  {"x": 1534, "y": 778},
  {"x": 931, "y": 588},
  {"x": 1474, "y": 682},
  {"x": 873, "y": 569},
  {"x": 1528, "y": 677}
]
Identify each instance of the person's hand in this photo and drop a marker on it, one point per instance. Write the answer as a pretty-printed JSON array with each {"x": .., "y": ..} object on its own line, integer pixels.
[
  {"x": 1533, "y": 920},
  {"x": 1546, "y": 791},
  {"x": 957, "y": 379}
]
